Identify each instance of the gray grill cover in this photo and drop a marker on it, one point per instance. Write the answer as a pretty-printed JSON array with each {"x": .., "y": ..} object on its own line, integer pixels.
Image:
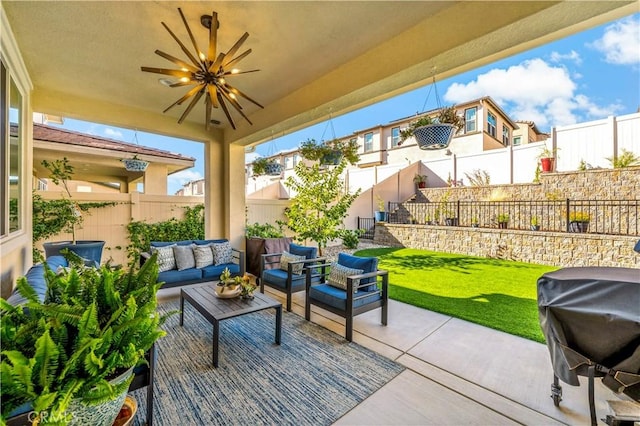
[{"x": 592, "y": 315}]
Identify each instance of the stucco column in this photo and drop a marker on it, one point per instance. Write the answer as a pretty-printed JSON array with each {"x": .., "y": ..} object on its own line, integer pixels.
[
  {"x": 214, "y": 188},
  {"x": 234, "y": 196},
  {"x": 155, "y": 179}
]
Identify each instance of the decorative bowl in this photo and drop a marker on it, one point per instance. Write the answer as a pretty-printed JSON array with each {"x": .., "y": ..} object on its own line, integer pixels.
[{"x": 229, "y": 292}]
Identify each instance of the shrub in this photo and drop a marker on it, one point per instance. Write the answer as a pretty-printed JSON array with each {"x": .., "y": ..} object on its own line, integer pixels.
[
  {"x": 266, "y": 230},
  {"x": 351, "y": 238}
]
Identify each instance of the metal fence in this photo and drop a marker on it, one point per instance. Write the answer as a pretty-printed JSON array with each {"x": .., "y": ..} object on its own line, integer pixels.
[
  {"x": 613, "y": 217},
  {"x": 367, "y": 225}
]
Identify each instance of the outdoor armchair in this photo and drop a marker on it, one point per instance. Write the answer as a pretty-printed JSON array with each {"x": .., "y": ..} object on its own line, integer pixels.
[
  {"x": 349, "y": 287},
  {"x": 285, "y": 271}
]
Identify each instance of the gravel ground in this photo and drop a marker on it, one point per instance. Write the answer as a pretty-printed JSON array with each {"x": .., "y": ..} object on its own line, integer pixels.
[{"x": 331, "y": 252}]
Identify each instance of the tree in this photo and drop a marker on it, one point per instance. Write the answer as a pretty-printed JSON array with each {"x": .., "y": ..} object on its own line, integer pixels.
[{"x": 320, "y": 203}]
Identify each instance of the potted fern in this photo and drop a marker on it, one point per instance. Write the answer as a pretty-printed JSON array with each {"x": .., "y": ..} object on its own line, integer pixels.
[
  {"x": 434, "y": 132},
  {"x": 266, "y": 166},
  {"x": 420, "y": 180},
  {"x": 64, "y": 356},
  {"x": 331, "y": 152}
]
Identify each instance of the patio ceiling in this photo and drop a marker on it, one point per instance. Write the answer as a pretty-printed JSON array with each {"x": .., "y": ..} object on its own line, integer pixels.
[{"x": 316, "y": 57}]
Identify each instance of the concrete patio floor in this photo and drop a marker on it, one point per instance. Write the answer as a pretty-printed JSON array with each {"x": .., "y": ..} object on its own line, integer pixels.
[{"x": 456, "y": 372}]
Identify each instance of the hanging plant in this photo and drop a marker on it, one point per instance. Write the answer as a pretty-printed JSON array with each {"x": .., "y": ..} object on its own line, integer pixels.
[
  {"x": 434, "y": 132},
  {"x": 135, "y": 164},
  {"x": 331, "y": 152},
  {"x": 266, "y": 166}
]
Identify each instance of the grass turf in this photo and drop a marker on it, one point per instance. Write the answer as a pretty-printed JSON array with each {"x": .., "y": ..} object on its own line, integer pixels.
[{"x": 496, "y": 293}]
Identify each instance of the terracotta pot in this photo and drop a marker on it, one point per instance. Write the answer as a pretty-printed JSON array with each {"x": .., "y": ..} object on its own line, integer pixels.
[{"x": 547, "y": 164}]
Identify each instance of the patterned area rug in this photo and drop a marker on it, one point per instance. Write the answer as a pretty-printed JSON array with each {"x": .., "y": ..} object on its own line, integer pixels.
[{"x": 313, "y": 378}]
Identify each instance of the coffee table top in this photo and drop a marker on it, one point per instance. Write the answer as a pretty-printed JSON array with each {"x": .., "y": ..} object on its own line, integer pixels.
[{"x": 204, "y": 299}]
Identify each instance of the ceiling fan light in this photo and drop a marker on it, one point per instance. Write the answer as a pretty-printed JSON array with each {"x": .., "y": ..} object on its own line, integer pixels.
[
  {"x": 221, "y": 80},
  {"x": 235, "y": 71},
  {"x": 202, "y": 57},
  {"x": 185, "y": 79}
]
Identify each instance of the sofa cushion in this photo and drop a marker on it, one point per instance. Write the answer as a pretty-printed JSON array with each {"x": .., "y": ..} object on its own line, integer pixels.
[
  {"x": 174, "y": 275},
  {"x": 166, "y": 259},
  {"x": 221, "y": 253},
  {"x": 367, "y": 264},
  {"x": 184, "y": 257},
  {"x": 307, "y": 252},
  {"x": 203, "y": 255},
  {"x": 337, "y": 298},
  {"x": 286, "y": 258},
  {"x": 338, "y": 276},
  {"x": 212, "y": 272}
]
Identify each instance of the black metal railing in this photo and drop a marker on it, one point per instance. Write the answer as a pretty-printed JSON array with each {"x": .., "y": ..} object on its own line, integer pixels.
[
  {"x": 367, "y": 225},
  {"x": 613, "y": 217}
]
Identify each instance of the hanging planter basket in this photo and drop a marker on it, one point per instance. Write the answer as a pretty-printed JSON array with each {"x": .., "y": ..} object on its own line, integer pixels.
[
  {"x": 135, "y": 165},
  {"x": 434, "y": 136},
  {"x": 332, "y": 158},
  {"x": 273, "y": 169}
]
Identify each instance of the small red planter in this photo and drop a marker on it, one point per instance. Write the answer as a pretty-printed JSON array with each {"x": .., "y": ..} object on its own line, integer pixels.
[{"x": 547, "y": 164}]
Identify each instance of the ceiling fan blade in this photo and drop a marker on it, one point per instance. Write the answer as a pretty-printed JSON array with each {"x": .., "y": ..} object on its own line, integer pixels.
[
  {"x": 193, "y": 40},
  {"x": 214, "y": 66},
  {"x": 183, "y": 47},
  {"x": 226, "y": 110},
  {"x": 213, "y": 37},
  {"x": 235, "y": 48},
  {"x": 185, "y": 97},
  {"x": 190, "y": 107},
  {"x": 239, "y": 72},
  {"x": 240, "y": 93},
  {"x": 237, "y": 106},
  {"x": 237, "y": 59},
  {"x": 184, "y": 83},
  {"x": 177, "y": 61},
  {"x": 165, "y": 71},
  {"x": 232, "y": 99},
  {"x": 213, "y": 95}
]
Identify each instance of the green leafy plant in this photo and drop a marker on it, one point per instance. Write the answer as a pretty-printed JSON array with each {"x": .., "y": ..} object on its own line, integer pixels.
[
  {"x": 582, "y": 166},
  {"x": 264, "y": 166},
  {"x": 51, "y": 217},
  {"x": 93, "y": 325},
  {"x": 266, "y": 230},
  {"x": 579, "y": 216},
  {"x": 381, "y": 203},
  {"x": 351, "y": 238},
  {"x": 446, "y": 115},
  {"x": 626, "y": 159},
  {"x": 502, "y": 218},
  {"x": 318, "y": 209},
  {"x": 420, "y": 180},
  {"x": 141, "y": 233},
  {"x": 535, "y": 221},
  {"x": 548, "y": 153},
  {"x": 327, "y": 152}
]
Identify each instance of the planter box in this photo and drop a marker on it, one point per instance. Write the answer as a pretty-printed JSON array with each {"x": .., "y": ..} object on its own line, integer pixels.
[{"x": 578, "y": 226}]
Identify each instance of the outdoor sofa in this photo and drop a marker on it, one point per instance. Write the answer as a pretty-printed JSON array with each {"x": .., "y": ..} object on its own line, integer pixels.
[{"x": 195, "y": 261}]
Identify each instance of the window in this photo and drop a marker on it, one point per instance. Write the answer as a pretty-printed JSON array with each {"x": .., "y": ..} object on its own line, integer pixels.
[
  {"x": 505, "y": 135},
  {"x": 10, "y": 153},
  {"x": 492, "y": 122},
  {"x": 368, "y": 142},
  {"x": 517, "y": 140},
  {"x": 470, "y": 115},
  {"x": 395, "y": 136}
]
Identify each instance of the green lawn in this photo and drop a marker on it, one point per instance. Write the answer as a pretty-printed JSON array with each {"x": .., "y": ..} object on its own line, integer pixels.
[{"x": 496, "y": 293}]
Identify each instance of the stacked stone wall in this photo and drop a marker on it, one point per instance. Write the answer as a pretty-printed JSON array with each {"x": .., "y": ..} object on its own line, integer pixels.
[{"x": 546, "y": 248}]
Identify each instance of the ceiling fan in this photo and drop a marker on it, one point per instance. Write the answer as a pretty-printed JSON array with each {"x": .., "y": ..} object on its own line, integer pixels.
[{"x": 207, "y": 73}]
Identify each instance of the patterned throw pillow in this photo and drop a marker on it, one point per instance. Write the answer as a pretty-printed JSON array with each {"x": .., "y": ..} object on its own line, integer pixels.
[
  {"x": 184, "y": 257},
  {"x": 166, "y": 260},
  {"x": 288, "y": 257},
  {"x": 203, "y": 255},
  {"x": 221, "y": 253},
  {"x": 338, "y": 276}
]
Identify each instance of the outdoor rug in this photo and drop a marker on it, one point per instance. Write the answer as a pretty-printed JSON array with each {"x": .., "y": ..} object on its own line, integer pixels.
[{"x": 313, "y": 378}]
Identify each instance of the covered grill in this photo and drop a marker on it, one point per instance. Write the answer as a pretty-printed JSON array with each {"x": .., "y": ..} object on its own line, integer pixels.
[{"x": 590, "y": 318}]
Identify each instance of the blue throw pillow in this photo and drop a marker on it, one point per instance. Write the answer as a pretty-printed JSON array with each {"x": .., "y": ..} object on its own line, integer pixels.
[
  {"x": 367, "y": 264},
  {"x": 307, "y": 252}
]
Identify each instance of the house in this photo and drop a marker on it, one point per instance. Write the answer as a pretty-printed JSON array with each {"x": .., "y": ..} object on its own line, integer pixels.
[
  {"x": 91, "y": 70},
  {"x": 98, "y": 165}
]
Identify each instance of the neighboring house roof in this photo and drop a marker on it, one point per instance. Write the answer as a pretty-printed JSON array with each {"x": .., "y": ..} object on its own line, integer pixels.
[
  {"x": 43, "y": 132},
  {"x": 533, "y": 126}
]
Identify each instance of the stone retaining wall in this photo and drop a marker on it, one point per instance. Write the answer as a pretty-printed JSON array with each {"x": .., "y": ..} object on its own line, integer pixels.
[{"x": 547, "y": 248}]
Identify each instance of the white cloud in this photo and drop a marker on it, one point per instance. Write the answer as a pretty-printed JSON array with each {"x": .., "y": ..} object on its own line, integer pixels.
[
  {"x": 620, "y": 42},
  {"x": 572, "y": 56},
  {"x": 532, "y": 90},
  {"x": 113, "y": 133}
]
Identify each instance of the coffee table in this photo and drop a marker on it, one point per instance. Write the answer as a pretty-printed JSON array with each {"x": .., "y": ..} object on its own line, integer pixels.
[{"x": 214, "y": 309}]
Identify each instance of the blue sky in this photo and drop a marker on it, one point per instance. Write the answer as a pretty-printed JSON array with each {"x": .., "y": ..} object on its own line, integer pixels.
[{"x": 584, "y": 77}]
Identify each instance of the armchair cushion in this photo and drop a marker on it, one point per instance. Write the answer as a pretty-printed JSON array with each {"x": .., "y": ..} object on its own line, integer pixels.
[
  {"x": 337, "y": 297},
  {"x": 367, "y": 264},
  {"x": 221, "y": 253},
  {"x": 286, "y": 258},
  {"x": 307, "y": 252},
  {"x": 278, "y": 278},
  {"x": 338, "y": 276}
]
